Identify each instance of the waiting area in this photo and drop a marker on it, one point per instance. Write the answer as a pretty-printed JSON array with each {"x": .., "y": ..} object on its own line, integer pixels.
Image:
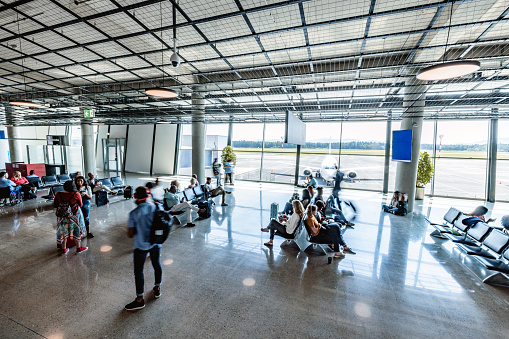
[{"x": 219, "y": 280}]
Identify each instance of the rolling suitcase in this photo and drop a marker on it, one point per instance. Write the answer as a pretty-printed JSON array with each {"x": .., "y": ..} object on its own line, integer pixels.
[
  {"x": 274, "y": 208},
  {"x": 128, "y": 192},
  {"x": 101, "y": 198}
]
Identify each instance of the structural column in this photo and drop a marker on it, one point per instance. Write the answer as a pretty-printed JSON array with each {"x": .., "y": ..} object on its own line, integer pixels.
[
  {"x": 198, "y": 133},
  {"x": 230, "y": 131},
  {"x": 388, "y": 135},
  {"x": 13, "y": 135},
  {"x": 413, "y": 103},
  {"x": 491, "y": 170},
  {"x": 87, "y": 141}
]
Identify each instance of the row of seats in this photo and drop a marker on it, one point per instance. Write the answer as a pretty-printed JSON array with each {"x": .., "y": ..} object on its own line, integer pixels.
[{"x": 487, "y": 245}]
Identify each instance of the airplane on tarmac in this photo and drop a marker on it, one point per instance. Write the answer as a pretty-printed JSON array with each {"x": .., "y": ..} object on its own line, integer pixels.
[{"x": 328, "y": 169}]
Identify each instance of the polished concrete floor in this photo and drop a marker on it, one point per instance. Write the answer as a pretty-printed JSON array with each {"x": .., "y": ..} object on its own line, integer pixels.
[{"x": 219, "y": 281}]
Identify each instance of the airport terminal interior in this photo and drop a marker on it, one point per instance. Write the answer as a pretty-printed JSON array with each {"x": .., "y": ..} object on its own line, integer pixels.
[{"x": 392, "y": 94}]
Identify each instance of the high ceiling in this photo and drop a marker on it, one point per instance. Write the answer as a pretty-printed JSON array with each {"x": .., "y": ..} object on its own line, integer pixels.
[{"x": 322, "y": 59}]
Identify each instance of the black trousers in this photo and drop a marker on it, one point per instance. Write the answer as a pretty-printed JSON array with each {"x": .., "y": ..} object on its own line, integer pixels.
[
  {"x": 276, "y": 226},
  {"x": 139, "y": 261},
  {"x": 330, "y": 234}
]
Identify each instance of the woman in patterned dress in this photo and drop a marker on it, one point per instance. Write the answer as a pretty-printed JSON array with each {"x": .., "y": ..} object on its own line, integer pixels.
[{"x": 73, "y": 225}]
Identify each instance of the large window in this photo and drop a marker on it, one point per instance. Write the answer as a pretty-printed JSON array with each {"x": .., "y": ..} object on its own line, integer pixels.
[
  {"x": 185, "y": 153},
  {"x": 278, "y": 158},
  {"x": 460, "y": 166},
  {"x": 502, "y": 183},
  {"x": 247, "y": 142}
]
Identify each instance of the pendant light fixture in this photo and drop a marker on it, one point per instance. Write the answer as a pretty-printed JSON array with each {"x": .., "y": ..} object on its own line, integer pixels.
[
  {"x": 448, "y": 69},
  {"x": 160, "y": 92},
  {"x": 252, "y": 119},
  {"x": 23, "y": 103}
]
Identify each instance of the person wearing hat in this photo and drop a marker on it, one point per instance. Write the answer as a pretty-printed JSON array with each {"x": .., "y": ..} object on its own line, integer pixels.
[
  {"x": 139, "y": 225},
  {"x": 505, "y": 223},
  {"x": 216, "y": 169},
  {"x": 476, "y": 216}
]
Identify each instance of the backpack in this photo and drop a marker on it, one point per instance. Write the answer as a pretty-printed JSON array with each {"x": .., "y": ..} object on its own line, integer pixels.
[
  {"x": 207, "y": 207},
  {"x": 402, "y": 208},
  {"x": 63, "y": 210},
  {"x": 161, "y": 226}
]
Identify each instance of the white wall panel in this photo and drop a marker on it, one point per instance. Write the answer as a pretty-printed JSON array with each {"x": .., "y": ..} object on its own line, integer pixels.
[
  {"x": 139, "y": 148},
  {"x": 117, "y": 131},
  {"x": 102, "y": 133},
  {"x": 164, "y": 150}
]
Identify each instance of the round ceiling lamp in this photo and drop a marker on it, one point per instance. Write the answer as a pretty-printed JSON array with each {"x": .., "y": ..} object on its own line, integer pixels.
[
  {"x": 162, "y": 93},
  {"x": 449, "y": 70},
  {"x": 253, "y": 119},
  {"x": 24, "y": 103}
]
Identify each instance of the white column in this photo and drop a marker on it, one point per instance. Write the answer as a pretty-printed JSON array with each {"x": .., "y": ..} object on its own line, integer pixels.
[
  {"x": 87, "y": 141},
  {"x": 198, "y": 133}
]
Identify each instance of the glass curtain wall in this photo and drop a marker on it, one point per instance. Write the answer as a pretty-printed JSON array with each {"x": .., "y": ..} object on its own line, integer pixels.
[
  {"x": 427, "y": 144},
  {"x": 502, "y": 183},
  {"x": 185, "y": 154},
  {"x": 247, "y": 140},
  {"x": 216, "y": 140},
  {"x": 278, "y": 159},
  {"x": 460, "y": 164}
]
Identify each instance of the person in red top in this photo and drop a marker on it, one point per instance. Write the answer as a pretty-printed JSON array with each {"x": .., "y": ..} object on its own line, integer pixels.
[
  {"x": 27, "y": 188},
  {"x": 71, "y": 225}
]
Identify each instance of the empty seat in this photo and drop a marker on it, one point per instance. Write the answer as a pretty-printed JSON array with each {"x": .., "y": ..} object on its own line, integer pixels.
[
  {"x": 106, "y": 182},
  {"x": 450, "y": 217},
  {"x": 474, "y": 235},
  {"x": 117, "y": 182},
  {"x": 181, "y": 196},
  {"x": 198, "y": 192},
  {"x": 189, "y": 193},
  {"x": 64, "y": 177},
  {"x": 491, "y": 247},
  {"x": 36, "y": 181},
  {"x": 495, "y": 264},
  {"x": 50, "y": 180},
  {"x": 56, "y": 189}
]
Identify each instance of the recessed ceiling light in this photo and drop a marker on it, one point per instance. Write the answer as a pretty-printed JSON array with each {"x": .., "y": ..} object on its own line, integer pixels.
[
  {"x": 163, "y": 122},
  {"x": 449, "y": 70},
  {"x": 24, "y": 103},
  {"x": 97, "y": 123},
  {"x": 162, "y": 93},
  {"x": 378, "y": 117}
]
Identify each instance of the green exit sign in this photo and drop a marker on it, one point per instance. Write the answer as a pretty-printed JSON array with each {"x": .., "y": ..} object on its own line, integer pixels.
[{"x": 89, "y": 113}]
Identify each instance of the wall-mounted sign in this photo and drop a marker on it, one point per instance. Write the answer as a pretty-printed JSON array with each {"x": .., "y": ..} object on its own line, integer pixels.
[{"x": 89, "y": 113}]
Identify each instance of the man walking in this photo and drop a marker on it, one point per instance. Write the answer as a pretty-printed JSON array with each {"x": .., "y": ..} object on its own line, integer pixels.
[
  {"x": 216, "y": 168},
  {"x": 140, "y": 223}
]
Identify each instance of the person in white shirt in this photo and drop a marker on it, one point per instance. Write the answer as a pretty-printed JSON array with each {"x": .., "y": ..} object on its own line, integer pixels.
[
  {"x": 214, "y": 192},
  {"x": 285, "y": 225},
  {"x": 156, "y": 190}
]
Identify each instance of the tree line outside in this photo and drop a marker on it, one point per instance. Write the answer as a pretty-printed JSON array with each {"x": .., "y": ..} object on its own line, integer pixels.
[{"x": 365, "y": 145}]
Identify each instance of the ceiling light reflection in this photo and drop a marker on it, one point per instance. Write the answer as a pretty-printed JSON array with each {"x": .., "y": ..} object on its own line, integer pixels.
[
  {"x": 168, "y": 262},
  {"x": 362, "y": 310},
  {"x": 249, "y": 282},
  {"x": 106, "y": 248}
]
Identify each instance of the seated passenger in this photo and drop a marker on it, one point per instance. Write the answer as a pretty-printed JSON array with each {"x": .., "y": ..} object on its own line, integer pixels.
[
  {"x": 97, "y": 185},
  {"x": 326, "y": 233},
  {"x": 214, "y": 192},
  {"x": 27, "y": 188},
  {"x": 319, "y": 194},
  {"x": 311, "y": 181},
  {"x": 505, "y": 224},
  {"x": 476, "y": 216},
  {"x": 307, "y": 196},
  {"x": 176, "y": 184},
  {"x": 172, "y": 203},
  {"x": 196, "y": 178},
  {"x": 288, "y": 209},
  {"x": 285, "y": 225},
  {"x": 32, "y": 174},
  {"x": 337, "y": 214},
  {"x": 393, "y": 206},
  {"x": 4, "y": 182},
  {"x": 193, "y": 183}
]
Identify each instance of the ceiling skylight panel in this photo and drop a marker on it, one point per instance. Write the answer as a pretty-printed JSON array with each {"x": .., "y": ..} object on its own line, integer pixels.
[
  {"x": 45, "y": 12},
  {"x": 335, "y": 95},
  {"x": 200, "y": 9},
  {"x": 209, "y": 66},
  {"x": 79, "y": 70},
  {"x": 336, "y": 50},
  {"x": 81, "y": 33},
  {"x": 58, "y": 73},
  {"x": 55, "y": 59},
  {"x": 401, "y": 22},
  {"x": 248, "y": 61},
  {"x": 186, "y": 35},
  {"x": 25, "y": 25},
  {"x": 150, "y": 15},
  {"x": 50, "y": 40},
  {"x": 472, "y": 11},
  {"x": 391, "y": 5},
  {"x": 89, "y": 7},
  {"x": 27, "y": 47},
  {"x": 248, "y": 4},
  {"x": 288, "y": 56},
  {"x": 395, "y": 43},
  {"x": 337, "y": 32},
  {"x": 329, "y": 10},
  {"x": 225, "y": 28},
  {"x": 8, "y": 53},
  {"x": 198, "y": 53},
  {"x": 276, "y": 18},
  {"x": 143, "y": 43},
  {"x": 78, "y": 81},
  {"x": 131, "y": 62},
  {"x": 79, "y": 54},
  {"x": 109, "y": 49},
  {"x": 98, "y": 78},
  {"x": 500, "y": 31},
  {"x": 237, "y": 47},
  {"x": 30, "y": 63},
  {"x": 428, "y": 55},
  {"x": 104, "y": 66},
  {"x": 117, "y": 24},
  {"x": 282, "y": 40}
]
